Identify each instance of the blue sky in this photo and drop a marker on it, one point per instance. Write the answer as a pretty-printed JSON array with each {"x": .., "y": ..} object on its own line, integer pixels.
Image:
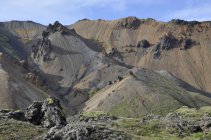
[{"x": 69, "y": 11}]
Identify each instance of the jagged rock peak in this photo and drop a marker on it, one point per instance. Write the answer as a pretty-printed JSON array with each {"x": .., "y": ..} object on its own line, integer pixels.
[
  {"x": 57, "y": 27},
  {"x": 128, "y": 23},
  {"x": 183, "y": 22}
]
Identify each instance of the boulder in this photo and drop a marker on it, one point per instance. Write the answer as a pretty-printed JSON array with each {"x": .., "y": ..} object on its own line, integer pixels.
[
  {"x": 52, "y": 113},
  {"x": 34, "y": 113},
  {"x": 48, "y": 113}
]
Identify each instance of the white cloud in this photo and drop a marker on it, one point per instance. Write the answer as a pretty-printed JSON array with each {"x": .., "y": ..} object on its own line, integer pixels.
[
  {"x": 47, "y": 10},
  {"x": 69, "y": 11}
]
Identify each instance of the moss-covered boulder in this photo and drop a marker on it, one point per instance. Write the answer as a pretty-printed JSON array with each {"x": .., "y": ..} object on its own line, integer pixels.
[{"x": 47, "y": 113}]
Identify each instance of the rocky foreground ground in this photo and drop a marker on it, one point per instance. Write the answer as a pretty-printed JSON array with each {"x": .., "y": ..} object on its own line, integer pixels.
[{"x": 46, "y": 121}]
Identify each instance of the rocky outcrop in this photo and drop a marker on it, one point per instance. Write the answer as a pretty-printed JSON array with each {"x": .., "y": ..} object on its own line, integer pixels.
[
  {"x": 84, "y": 132},
  {"x": 52, "y": 113},
  {"x": 57, "y": 27},
  {"x": 42, "y": 51},
  {"x": 9, "y": 114},
  {"x": 187, "y": 121},
  {"x": 47, "y": 113},
  {"x": 143, "y": 44},
  {"x": 183, "y": 22},
  {"x": 34, "y": 113},
  {"x": 186, "y": 44},
  {"x": 183, "y": 125},
  {"x": 128, "y": 23},
  {"x": 166, "y": 42},
  {"x": 34, "y": 78},
  {"x": 157, "y": 51}
]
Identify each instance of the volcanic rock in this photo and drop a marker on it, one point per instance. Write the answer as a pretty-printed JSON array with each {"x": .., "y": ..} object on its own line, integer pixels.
[
  {"x": 143, "y": 44},
  {"x": 48, "y": 113},
  {"x": 128, "y": 23}
]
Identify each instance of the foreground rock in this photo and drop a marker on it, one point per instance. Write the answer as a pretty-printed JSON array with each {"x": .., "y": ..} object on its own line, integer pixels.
[
  {"x": 84, "y": 132},
  {"x": 184, "y": 122},
  {"x": 47, "y": 113}
]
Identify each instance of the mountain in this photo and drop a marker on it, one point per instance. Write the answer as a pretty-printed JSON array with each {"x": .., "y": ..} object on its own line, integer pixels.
[
  {"x": 145, "y": 91},
  {"x": 180, "y": 47},
  {"x": 120, "y": 71},
  {"x": 121, "y": 66}
]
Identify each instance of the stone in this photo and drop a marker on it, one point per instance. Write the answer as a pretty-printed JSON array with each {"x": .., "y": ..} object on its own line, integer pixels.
[
  {"x": 17, "y": 115},
  {"x": 195, "y": 128},
  {"x": 53, "y": 115},
  {"x": 48, "y": 113},
  {"x": 34, "y": 113}
]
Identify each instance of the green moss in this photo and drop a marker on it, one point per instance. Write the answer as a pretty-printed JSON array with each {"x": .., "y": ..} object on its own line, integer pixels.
[
  {"x": 11, "y": 129},
  {"x": 136, "y": 128},
  {"x": 155, "y": 130},
  {"x": 198, "y": 135},
  {"x": 136, "y": 109},
  {"x": 188, "y": 112},
  {"x": 192, "y": 112},
  {"x": 50, "y": 101},
  {"x": 205, "y": 109}
]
